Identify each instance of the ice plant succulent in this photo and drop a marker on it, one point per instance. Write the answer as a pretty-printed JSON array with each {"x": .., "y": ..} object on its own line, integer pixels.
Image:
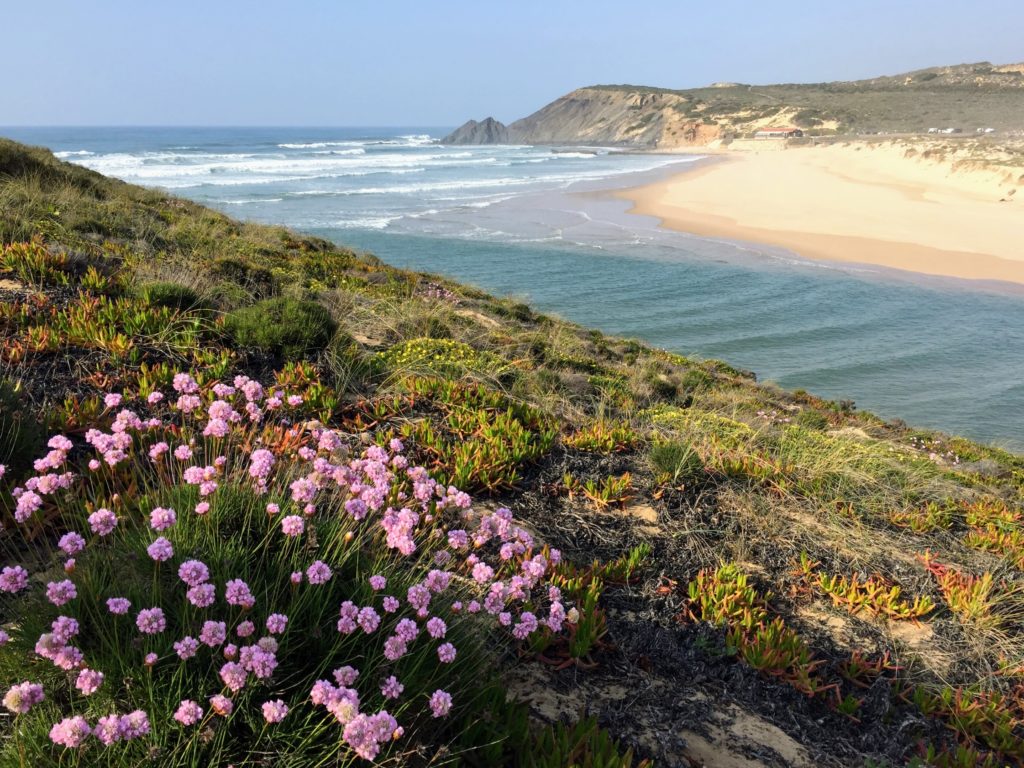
[{"x": 220, "y": 576}]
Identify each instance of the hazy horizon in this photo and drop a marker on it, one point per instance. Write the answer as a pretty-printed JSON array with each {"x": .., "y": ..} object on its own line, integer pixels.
[{"x": 318, "y": 64}]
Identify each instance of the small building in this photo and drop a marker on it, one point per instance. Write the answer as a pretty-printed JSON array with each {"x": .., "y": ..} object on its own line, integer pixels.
[{"x": 779, "y": 133}]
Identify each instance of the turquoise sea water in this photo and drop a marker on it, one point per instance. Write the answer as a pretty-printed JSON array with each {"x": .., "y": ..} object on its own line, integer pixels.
[{"x": 539, "y": 224}]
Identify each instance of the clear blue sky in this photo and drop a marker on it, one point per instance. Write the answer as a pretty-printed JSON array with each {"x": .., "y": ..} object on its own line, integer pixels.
[{"x": 437, "y": 63}]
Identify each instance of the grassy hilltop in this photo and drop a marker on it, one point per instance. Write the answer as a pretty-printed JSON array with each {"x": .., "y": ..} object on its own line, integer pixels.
[
  {"x": 965, "y": 96},
  {"x": 759, "y": 577}
]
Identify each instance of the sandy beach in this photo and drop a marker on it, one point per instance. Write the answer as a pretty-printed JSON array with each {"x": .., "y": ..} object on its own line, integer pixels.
[{"x": 881, "y": 204}]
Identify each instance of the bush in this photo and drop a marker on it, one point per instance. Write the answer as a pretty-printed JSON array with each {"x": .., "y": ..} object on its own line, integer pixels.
[
  {"x": 232, "y": 564},
  {"x": 676, "y": 463},
  {"x": 287, "y": 328},
  {"x": 171, "y": 295}
]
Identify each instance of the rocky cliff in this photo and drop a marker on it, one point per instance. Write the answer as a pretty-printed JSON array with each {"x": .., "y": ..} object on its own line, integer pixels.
[
  {"x": 641, "y": 118},
  {"x": 968, "y": 96},
  {"x": 487, "y": 131}
]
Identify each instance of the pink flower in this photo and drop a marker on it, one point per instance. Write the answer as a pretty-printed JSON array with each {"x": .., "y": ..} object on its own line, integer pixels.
[
  {"x": 151, "y": 621},
  {"x": 378, "y": 582},
  {"x": 71, "y": 543},
  {"x": 186, "y": 648},
  {"x": 346, "y": 676},
  {"x": 273, "y": 509},
  {"x": 64, "y": 628},
  {"x": 234, "y": 676},
  {"x": 102, "y": 522},
  {"x": 202, "y": 595},
  {"x": 318, "y": 573},
  {"x": 213, "y": 633},
  {"x": 108, "y": 730},
  {"x": 436, "y": 627},
  {"x": 292, "y": 525},
  {"x": 160, "y": 550},
  {"x": 70, "y": 732},
  {"x": 391, "y": 688},
  {"x": 134, "y": 725},
  {"x": 160, "y": 519},
  {"x": 193, "y": 572},
  {"x": 151, "y": 659},
  {"x": 112, "y": 400},
  {"x": 446, "y": 653},
  {"x": 118, "y": 605},
  {"x": 276, "y": 623},
  {"x": 155, "y": 397},
  {"x": 274, "y": 711},
  {"x": 28, "y": 503},
  {"x": 202, "y": 508},
  {"x": 245, "y": 628},
  {"x": 188, "y": 712},
  {"x": 237, "y": 592},
  {"x": 89, "y": 681},
  {"x": 185, "y": 384},
  {"x": 183, "y": 453},
  {"x": 390, "y": 604},
  {"x": 222, "y": 705},
  {"x": 61, "y": 592},
  {"x": 440, "y": 703},
  {"x": 20, "y": 698},
  {"x": 296, "y": 577},
  {"x": 13, "y": 578}
]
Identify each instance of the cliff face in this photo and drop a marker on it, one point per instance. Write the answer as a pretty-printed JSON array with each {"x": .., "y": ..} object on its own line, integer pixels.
[
  {"x": 967, "y": 96},
  {"x": 628, "y": 118}
]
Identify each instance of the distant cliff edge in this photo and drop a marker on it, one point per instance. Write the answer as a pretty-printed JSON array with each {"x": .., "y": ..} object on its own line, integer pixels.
[{"x": 968, "y": 97}]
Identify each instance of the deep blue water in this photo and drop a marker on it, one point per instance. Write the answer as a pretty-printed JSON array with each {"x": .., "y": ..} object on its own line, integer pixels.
[{"x": 534, "y": 223}]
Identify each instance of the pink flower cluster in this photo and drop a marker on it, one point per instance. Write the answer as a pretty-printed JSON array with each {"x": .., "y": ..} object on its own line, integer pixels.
[{"x": 382, "y": 498}]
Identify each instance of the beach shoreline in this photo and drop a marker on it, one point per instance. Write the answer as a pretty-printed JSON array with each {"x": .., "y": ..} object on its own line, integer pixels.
[{"x": 852, "y": 203}]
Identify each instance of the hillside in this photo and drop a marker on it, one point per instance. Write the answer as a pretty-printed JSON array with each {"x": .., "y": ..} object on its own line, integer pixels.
[
  {"x": 967, "y": 96},
  {"x": 748, "y": 576}
]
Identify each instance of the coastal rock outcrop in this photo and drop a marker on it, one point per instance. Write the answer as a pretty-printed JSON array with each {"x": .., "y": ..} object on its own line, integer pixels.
[{"x": 487, "y": 131}]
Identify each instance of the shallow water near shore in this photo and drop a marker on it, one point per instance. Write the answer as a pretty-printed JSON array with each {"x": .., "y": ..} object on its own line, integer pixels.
[{"x": 537, "y": 224}]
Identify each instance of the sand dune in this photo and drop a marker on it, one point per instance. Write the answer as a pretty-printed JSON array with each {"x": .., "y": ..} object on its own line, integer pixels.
[{"x": 880, "y": 204}]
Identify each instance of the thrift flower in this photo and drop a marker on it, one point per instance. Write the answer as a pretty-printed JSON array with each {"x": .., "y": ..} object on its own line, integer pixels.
[
  {"x": 160, "y": 550},
  {"x": 13, "y": 579},
  {"x": 274, "y": 711},
  {"x": 292, "y": 525},
  {"x": 151, "y": 621},
  {"x": 118, "y": 605},
  {"x": 276, "y": 623},
  {"x": 20, "y": 698},
  {"x": 188, "y": 712},
  {"x": 70, "y": 732},
  {"x": 193, "y": 572},
  {"x": 71, "y": 543},
  {"x": 440, "y": 703},
  {"x": 61, "y": 592},
  {"x": 89, "y": 681},
  {"x": 222, "y": 705},
  {"x": 102, "y": 522}
]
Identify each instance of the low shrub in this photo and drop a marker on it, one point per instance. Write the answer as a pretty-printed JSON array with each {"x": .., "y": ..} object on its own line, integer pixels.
[
  {"x": 287, "y": 328},
  {"x": 676, "y": 463},
  {"x": 171, "y": 295}
]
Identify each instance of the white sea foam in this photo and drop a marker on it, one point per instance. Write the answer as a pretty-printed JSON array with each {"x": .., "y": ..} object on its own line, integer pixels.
[
  {"x": 322, "y": 144},
  {"x": 73, "y": 153}
]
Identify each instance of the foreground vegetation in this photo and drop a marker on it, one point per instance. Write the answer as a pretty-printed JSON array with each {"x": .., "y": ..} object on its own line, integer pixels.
[{"x": 725, "y": 547}]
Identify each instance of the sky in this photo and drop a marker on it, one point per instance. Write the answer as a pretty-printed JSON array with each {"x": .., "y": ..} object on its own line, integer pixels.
[{"x": 398, "y": 63}]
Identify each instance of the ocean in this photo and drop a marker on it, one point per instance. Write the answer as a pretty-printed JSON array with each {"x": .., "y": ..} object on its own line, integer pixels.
[{"x": 541, "y": 225}]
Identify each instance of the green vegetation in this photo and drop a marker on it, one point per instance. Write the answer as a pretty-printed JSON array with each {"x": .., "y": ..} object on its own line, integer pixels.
[
  {"x": 285, "y": 327},
  {"x": 647, "y": 471}
]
